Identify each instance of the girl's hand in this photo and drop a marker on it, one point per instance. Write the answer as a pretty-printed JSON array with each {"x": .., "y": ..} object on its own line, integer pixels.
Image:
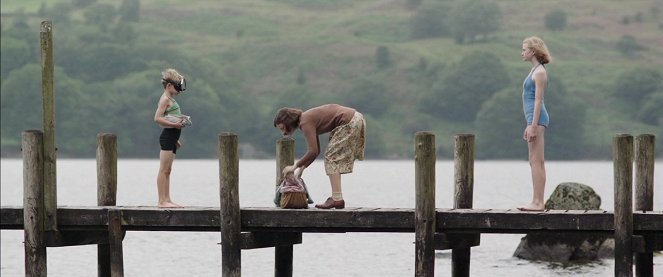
[
  {"x": 529, "y": 134},
  {"x": 179, "y": 144},
  {"x": 299, "y": 171}
]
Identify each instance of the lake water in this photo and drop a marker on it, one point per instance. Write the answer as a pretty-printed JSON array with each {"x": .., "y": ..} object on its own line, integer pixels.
[{"x": 498, "y": 185}]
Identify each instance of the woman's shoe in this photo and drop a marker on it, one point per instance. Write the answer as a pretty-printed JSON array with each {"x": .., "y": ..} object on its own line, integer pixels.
[{"x": 331, "y": 203}]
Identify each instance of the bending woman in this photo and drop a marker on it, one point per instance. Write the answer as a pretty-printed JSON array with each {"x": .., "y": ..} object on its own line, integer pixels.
[{"x": 346, "y": 142}]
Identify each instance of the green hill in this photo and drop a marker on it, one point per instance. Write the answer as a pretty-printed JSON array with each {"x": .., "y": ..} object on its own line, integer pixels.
[{"x": 247, "y": 58}]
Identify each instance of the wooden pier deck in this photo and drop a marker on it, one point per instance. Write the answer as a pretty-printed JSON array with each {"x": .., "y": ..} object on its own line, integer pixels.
[
  {"x": 397, "y": 220},
  {"x": 638, "y": 232}
]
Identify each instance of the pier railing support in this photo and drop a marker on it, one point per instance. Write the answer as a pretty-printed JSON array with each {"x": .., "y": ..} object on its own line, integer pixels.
[
  {"x": 33, "y": 202},
  {"x": 644, "y": 194},
  {"x": 463, "y": 190},
  {"x": 231, "y": 264},
  {"x": 106, "y": 196},
  {"x": 283, "y": 255},
  {"x": 48, "y": 96},
  {"x": 425, "y": 204},
  {"x": 623, "y": 181}
]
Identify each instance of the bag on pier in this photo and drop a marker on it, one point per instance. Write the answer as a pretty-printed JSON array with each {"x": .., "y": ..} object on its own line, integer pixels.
[{"x": 292, "y": 193}]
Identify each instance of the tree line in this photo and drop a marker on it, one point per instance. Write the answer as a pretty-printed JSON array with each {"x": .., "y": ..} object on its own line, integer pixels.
[{"x": 107, "y": 80}]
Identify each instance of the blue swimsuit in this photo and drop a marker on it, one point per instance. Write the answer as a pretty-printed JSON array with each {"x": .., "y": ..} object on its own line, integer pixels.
[{"x": 529, "y": 90}]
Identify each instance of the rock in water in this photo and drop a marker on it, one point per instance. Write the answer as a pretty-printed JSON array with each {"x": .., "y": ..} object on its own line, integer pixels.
[{"x": 567, "y": 247}]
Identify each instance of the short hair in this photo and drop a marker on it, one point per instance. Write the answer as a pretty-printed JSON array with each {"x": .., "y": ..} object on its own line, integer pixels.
[
  {"x": 288, "y": 117},
  {"x": 540, "y": 49},
  {"x": 170, "y": 76}
]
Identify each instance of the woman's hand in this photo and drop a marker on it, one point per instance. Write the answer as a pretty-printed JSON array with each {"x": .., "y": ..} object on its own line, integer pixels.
[
  {"x": 529, "y": 134},
  {"x": 288, "y": 169}
]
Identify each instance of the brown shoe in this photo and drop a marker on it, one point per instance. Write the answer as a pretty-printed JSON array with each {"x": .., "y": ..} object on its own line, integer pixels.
[{"x": 331, "y": 203}]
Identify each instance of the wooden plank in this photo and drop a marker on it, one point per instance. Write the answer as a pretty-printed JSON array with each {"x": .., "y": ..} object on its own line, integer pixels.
[
  {"x": 201, "y": 219},
  {"x": 253, "y": 240}
]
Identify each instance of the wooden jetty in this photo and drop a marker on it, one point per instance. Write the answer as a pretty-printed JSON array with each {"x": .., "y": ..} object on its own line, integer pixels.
[
  {"x": 46, "y": 224},
  {"x": 636, "y": 233}
]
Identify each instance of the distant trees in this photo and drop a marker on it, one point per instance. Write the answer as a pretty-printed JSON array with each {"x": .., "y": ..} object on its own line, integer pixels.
[
  {"x": 639, "y": 91},
  {"x": 460, "y": 94},
  {"x": 627, "y": 45},
  {"x": 382, "y": 57},
  {"x": 470, "y": 19},
  {"x": 555, "y": 20},
  {"x": 129, "y": 11},
  {"x": 430, "y": 21},
  {"x": 465, "y": 21}
]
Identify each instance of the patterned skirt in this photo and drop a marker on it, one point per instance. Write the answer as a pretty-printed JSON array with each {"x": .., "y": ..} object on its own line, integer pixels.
[{"x": 346, "y": 144}]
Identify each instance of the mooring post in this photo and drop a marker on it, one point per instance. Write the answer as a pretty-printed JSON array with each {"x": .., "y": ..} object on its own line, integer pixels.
[
  {"x": 48, "y": 96},
  {"x": 623, "y": 181},
  {"x": 106, "y": 193},
  {"x": 33, "y": 202},
  {"x": 115, "y": 236},
  {"x": 285, "y": 156},
  {"x": 644, "y": 194},
  {"x": 425, "y": 204},
  {"x": 463, "y": 192},
  {"x": 231, "y": 254}
]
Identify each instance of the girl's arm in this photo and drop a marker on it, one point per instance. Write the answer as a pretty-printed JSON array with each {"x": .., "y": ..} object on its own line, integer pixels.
[{"x": 161, "y": 110}]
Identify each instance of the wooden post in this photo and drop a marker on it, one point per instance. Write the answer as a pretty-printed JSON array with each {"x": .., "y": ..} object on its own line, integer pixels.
[
  {"x": 106, "y": 191},
  {"x": 644, "y": 194},
  {"x": 425, "y": 204},
  {"x": 231, "y": 254},
  {"x": 285, "y": 156},
  {"x": 33, "y": 203},
  {"x": 463, "y": 190},
  {"x": 48, "y": 95},
  {"x": 623, "y": 177},
  {"x": 115, "y": 236}
]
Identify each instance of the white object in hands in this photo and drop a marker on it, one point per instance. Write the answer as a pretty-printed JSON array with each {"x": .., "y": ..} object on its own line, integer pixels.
[{"x": 185, "y": 119}]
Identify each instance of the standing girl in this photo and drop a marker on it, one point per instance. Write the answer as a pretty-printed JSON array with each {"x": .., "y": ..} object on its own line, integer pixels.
[
  {"x": 534, "y": 50},
  {"x": 173, "y": 84}
]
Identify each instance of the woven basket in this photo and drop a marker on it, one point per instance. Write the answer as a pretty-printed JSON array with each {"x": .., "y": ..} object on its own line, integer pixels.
[{"x": 294, "y": 200}]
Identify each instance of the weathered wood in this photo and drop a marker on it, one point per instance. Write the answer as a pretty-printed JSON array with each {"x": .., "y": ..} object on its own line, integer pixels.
[
  {"x": 106, "y": 191},
  {"x": 106, "y": 169},
  {"x": 425, "y": 204},
  {"x": 623, "y": 183},
  {"x": 254, "y": 240},
  {"x": 115, "y": 237},
  {"x": 48, "y": 98},
  {"x": 283, "y": 254},
  {"x": 644, "y": 194},
  {"x": 463, "y": 190},
  {"x": 444, "y": 241},
  {"x": 268, "y": 219},
  {"x": 230, "y": 212},
  {"x": 33, "y": 202},
  {"x": 76, "y": 237}
]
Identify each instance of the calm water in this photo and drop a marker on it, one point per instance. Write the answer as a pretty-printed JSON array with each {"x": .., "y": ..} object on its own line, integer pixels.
[{"x": 498, "y": 184}]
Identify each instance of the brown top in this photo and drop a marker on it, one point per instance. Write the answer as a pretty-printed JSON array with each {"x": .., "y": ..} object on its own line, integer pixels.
[{"x": 320, "y": 120}]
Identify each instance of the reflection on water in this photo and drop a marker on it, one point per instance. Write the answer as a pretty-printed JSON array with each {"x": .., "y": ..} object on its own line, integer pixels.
[{"x": 390, "y": 184}]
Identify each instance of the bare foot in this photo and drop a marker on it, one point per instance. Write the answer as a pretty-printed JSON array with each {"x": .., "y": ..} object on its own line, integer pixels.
[
  {"x": 169, "y": 205},
  {"x": 532, "y": 207}
]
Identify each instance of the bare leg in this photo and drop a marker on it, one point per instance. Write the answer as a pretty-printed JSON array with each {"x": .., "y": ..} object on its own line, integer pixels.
[
  {"x": 537, "y": 165},
  {"x": 163, "y": 179},
  {"x": 335, "y": 181}
]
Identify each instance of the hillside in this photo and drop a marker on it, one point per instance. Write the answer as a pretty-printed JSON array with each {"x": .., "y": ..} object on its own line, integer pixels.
[{"x": 248, "y": 58}]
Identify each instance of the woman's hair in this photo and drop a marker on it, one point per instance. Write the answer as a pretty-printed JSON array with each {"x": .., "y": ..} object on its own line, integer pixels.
[
  {"x": 540, "y": 49},
  {"x": 289, "y": 117},
  {"x": 170, "y": 75}
]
